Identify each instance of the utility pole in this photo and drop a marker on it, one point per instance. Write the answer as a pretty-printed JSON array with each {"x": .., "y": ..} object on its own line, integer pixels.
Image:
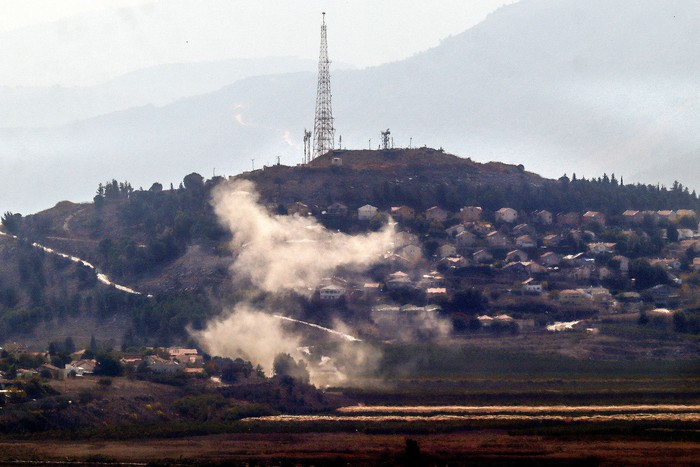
[{"x": 324, "y": 132}]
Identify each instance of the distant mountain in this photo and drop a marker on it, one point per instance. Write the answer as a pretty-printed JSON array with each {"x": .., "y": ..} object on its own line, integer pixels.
[
  {"x": 560, "y": 86},
  {"x": 158, "y": 85}
]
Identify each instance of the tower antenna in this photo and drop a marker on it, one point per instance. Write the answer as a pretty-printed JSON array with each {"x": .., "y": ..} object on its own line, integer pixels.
[
  {"x": 307, "y": 146},
  {"x": 324, "y": 132}
]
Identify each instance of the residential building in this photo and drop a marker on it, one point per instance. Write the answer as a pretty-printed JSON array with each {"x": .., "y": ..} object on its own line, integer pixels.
[
  {"x": 436, "y": 214},
  {"x": 404, "y": 213},
  {"x": 508, "y": 215},
  {"x": 366, "y": 212},
  {"x": 471, "y": 213}
]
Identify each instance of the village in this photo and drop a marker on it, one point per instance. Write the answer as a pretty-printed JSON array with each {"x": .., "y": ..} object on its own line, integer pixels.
[
  {"x": 515, "y": 265},
  {"x": 497, "y": 273}
]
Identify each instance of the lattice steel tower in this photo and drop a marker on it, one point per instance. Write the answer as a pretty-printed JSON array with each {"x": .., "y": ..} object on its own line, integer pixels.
[{"x": 324, "y": 133}]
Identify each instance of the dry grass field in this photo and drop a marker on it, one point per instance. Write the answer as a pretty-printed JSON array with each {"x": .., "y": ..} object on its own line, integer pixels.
[{"x": 485, "y": 447}]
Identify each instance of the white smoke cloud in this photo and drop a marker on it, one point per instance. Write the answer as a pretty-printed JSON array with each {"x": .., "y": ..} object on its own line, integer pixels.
[
  {"x": 278, "y": 253},
  {"x": 251, "y": 334}
]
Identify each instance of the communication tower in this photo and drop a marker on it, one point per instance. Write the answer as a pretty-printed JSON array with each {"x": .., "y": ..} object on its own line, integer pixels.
[
  {"x": 307, "y": 146},
  {"x": 324, "y": 133}
]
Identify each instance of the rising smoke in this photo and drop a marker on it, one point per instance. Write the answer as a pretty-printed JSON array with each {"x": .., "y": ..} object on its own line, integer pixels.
[
  {"x": 289, "y": 253},
  {"x": 278, "y": 255}
]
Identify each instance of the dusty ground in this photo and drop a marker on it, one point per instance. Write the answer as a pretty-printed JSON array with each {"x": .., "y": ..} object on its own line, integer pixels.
[{"x": 478, "y": 447}]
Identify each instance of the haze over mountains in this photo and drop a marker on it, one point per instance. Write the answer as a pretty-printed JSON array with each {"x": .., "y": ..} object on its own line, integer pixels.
[{"x": 560, "y": 86}]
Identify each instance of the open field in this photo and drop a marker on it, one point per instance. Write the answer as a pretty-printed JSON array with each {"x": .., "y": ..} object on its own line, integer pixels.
[{"x": 482, "y": 447}]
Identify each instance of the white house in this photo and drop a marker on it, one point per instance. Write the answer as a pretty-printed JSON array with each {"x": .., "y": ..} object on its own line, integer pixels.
[
  {"x": 366, "y": 212},
  {"x": 436, "y": 214},
  {"x": 508, "y": 215},
  {"x": 531, "y": 286}
]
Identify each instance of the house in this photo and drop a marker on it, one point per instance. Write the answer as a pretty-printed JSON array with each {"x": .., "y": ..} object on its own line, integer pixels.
[
  {"x": 523, "y": 229},
  {"x": 531, "y": 287},
  {"x": 366, "y": 212},
  {"x": 411, "y": 253},
  {"x": 331, "y": 293},
  {"x": 454, "y": 262},
  {"x": 432, "y": 279},
  {"x": 162, "y": 366},
  {"x": 465, "y": 239},
  {"x": 482, "y": 256},
  {"x": 435, "y": 292},
  {"x": 481, "y": 228},
  {"x": 300, "y": 209},
  {"x": 686, "y": 213},
  {"x": 337, "y": 209},
  {"x": 667, "y": 215},
  {"x": 455, "y": 230},
  {"x": 371, "y": 289},
  {"x": 447, "y": 250},
  {"x": 496, "y": 239},
  {"x": 485, "y": 320},
  {"x": 685, "y": 234},
  {"x": 187, "y": 357},
  {"x": 544, "y": 217},
  {"x": 404, "y": 213},
  {"x": 633, "y": 217},
  {"x": 569, "y": 219},
  {"x": 549, "y": 259},
  {"x": 470, "y": 213},
  {"x": 534, "y": 268},
  {"x": 525, "y": 241},
  {"x": 577, "y": 260},
  {"x": 599, "y": 295},
  {"x": 516, "y": 255},
  {"x": 402, "y": 239},
  {"x": 83, "y": 367},
  {"x": 399, "y": 280},
  {"x": 436, "y": 214},
  {"x": 552, "y": 240},
  {"x": 601, "y": 247},
  {"x": 508, "y": 215},
  {"x": 594, "y": 216},
  {"x": 573, "y": 297}
]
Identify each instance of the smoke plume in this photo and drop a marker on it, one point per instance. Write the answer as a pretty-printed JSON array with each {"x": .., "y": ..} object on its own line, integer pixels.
[
  {"x": 280, "y": 254},
  {"x": 284, "y": 253}
]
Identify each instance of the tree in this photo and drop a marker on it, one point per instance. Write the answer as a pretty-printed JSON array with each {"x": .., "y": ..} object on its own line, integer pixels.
[
  {"x": 12, "y": 221},
  {"x": 108, "y": 365},
  {"x": 193, "y": 182},
  {"x": 285, "y": 365}
]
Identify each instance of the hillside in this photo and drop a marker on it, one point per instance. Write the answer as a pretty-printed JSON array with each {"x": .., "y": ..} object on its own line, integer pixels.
[{"x": 167, "y": 243}]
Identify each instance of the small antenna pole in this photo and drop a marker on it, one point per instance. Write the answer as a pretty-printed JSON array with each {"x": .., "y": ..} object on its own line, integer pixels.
[{"x": 252, "y": 164}]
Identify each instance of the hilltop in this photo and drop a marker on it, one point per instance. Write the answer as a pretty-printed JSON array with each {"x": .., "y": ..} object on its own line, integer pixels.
[{"x": 421, "y": 177}]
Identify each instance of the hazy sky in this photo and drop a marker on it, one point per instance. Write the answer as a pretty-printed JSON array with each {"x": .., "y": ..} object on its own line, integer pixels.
[{"x": 77, "y": 42}]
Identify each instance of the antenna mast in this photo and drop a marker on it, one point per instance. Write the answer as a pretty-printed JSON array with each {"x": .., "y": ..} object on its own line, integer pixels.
[
  {"x": 307, "y": 146},
  {"x": 324, "y": 133}
]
